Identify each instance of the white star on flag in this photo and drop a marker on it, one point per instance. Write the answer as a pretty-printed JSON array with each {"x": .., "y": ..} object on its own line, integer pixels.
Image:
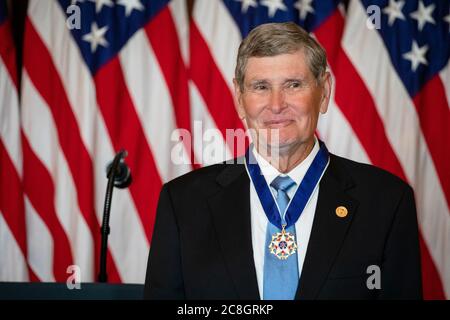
[
  {"x": 423, "y": 15},
  {"x": 273, "y": 6},
  {"x": 131, "y": 5},
  {"x": 447, "y": 19},
  {"x": 416, "y": 55},
  {"x": 304, "y": 6},
  {"x": 394, "y": 11},
  {"x": 246, "y": 4},
  {"x": 100, "y": 3},
  {"x": 96, "y": 37}
]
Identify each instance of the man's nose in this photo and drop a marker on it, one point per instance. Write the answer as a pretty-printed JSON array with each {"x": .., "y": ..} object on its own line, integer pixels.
[{"x": 277, "y": 100}]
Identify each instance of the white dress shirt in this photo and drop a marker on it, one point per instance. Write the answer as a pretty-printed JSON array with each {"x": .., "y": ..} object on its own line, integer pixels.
[{"x": 259, "y": 219}]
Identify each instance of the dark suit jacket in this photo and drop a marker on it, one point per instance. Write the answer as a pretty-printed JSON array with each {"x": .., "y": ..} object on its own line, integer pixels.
[{"x": 202, "y": 245}]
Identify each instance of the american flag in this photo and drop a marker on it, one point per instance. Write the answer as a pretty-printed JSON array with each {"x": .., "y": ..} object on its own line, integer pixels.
[
  {"x": 136, "y": 70},
  {"x": 13, "y": 242}
]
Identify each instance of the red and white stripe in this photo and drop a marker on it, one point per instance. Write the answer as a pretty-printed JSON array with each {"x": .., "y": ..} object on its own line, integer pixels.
[
  {"x": 405, "y": 123},
  {"x": 212, "y": 63},
  {"x": 71, "y": 133},
  {"x": 13, "y": 244}
]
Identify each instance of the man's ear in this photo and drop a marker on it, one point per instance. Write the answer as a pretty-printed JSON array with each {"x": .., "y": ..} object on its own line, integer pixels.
[
  {"x": 326, "y": 92},
  {"x": 238, "y": 99}
]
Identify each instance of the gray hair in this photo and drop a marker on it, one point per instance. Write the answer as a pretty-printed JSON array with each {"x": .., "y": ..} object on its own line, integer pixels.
[{"x": 272, "y": 39}]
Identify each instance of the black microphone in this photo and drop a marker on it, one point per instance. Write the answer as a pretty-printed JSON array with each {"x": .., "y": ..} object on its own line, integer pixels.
[
  {"x": 119, "y": 175},
  {"x": 122, "y": 173}
]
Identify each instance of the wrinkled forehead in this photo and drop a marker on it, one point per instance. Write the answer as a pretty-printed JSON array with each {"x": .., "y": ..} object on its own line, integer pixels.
[{"x": 279, "y": 67}]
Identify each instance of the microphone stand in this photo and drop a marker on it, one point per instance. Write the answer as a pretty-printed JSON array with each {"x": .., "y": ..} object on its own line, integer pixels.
[{"x": 118, "y": 175}]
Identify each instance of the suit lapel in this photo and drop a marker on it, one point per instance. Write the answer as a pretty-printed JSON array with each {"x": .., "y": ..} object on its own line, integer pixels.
[
  {"x": 230, "y": 209},
  {"x": 328, "y": 230}
]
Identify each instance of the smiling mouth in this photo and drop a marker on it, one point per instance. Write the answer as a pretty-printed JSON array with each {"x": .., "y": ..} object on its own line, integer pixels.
[{"x": 277, "y": 123}]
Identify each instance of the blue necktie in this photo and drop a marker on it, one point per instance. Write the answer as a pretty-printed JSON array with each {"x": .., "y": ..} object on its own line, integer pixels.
[{"x": 280, "y": 276}]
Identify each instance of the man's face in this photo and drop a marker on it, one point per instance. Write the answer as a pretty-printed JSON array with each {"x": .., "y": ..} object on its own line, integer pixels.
[{"x": 282, "y": 96}]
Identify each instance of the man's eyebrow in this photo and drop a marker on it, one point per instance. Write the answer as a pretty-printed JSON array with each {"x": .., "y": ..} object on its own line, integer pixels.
[
  {"x": 253, "y": 81},
  {"x": 301, "y": 79},
  {"x": 266, "y": 81}
]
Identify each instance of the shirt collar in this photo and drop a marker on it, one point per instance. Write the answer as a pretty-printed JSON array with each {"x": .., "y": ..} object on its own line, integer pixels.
[{"x": 296, "y": 174}]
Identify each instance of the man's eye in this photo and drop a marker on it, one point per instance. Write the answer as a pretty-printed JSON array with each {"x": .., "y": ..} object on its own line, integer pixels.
[
  {"x": 294, "y": 85},
  {"x": 260, "y": 87}
]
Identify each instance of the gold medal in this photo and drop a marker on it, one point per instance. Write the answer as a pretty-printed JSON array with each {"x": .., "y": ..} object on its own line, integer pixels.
[{"x": 283, "y": 244}]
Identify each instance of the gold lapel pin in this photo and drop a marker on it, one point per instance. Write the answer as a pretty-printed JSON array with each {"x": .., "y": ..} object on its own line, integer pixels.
[{"x": 341, "y": 211}]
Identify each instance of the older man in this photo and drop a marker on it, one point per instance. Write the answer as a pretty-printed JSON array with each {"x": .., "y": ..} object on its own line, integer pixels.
[{"x": 293, "y": 221}]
